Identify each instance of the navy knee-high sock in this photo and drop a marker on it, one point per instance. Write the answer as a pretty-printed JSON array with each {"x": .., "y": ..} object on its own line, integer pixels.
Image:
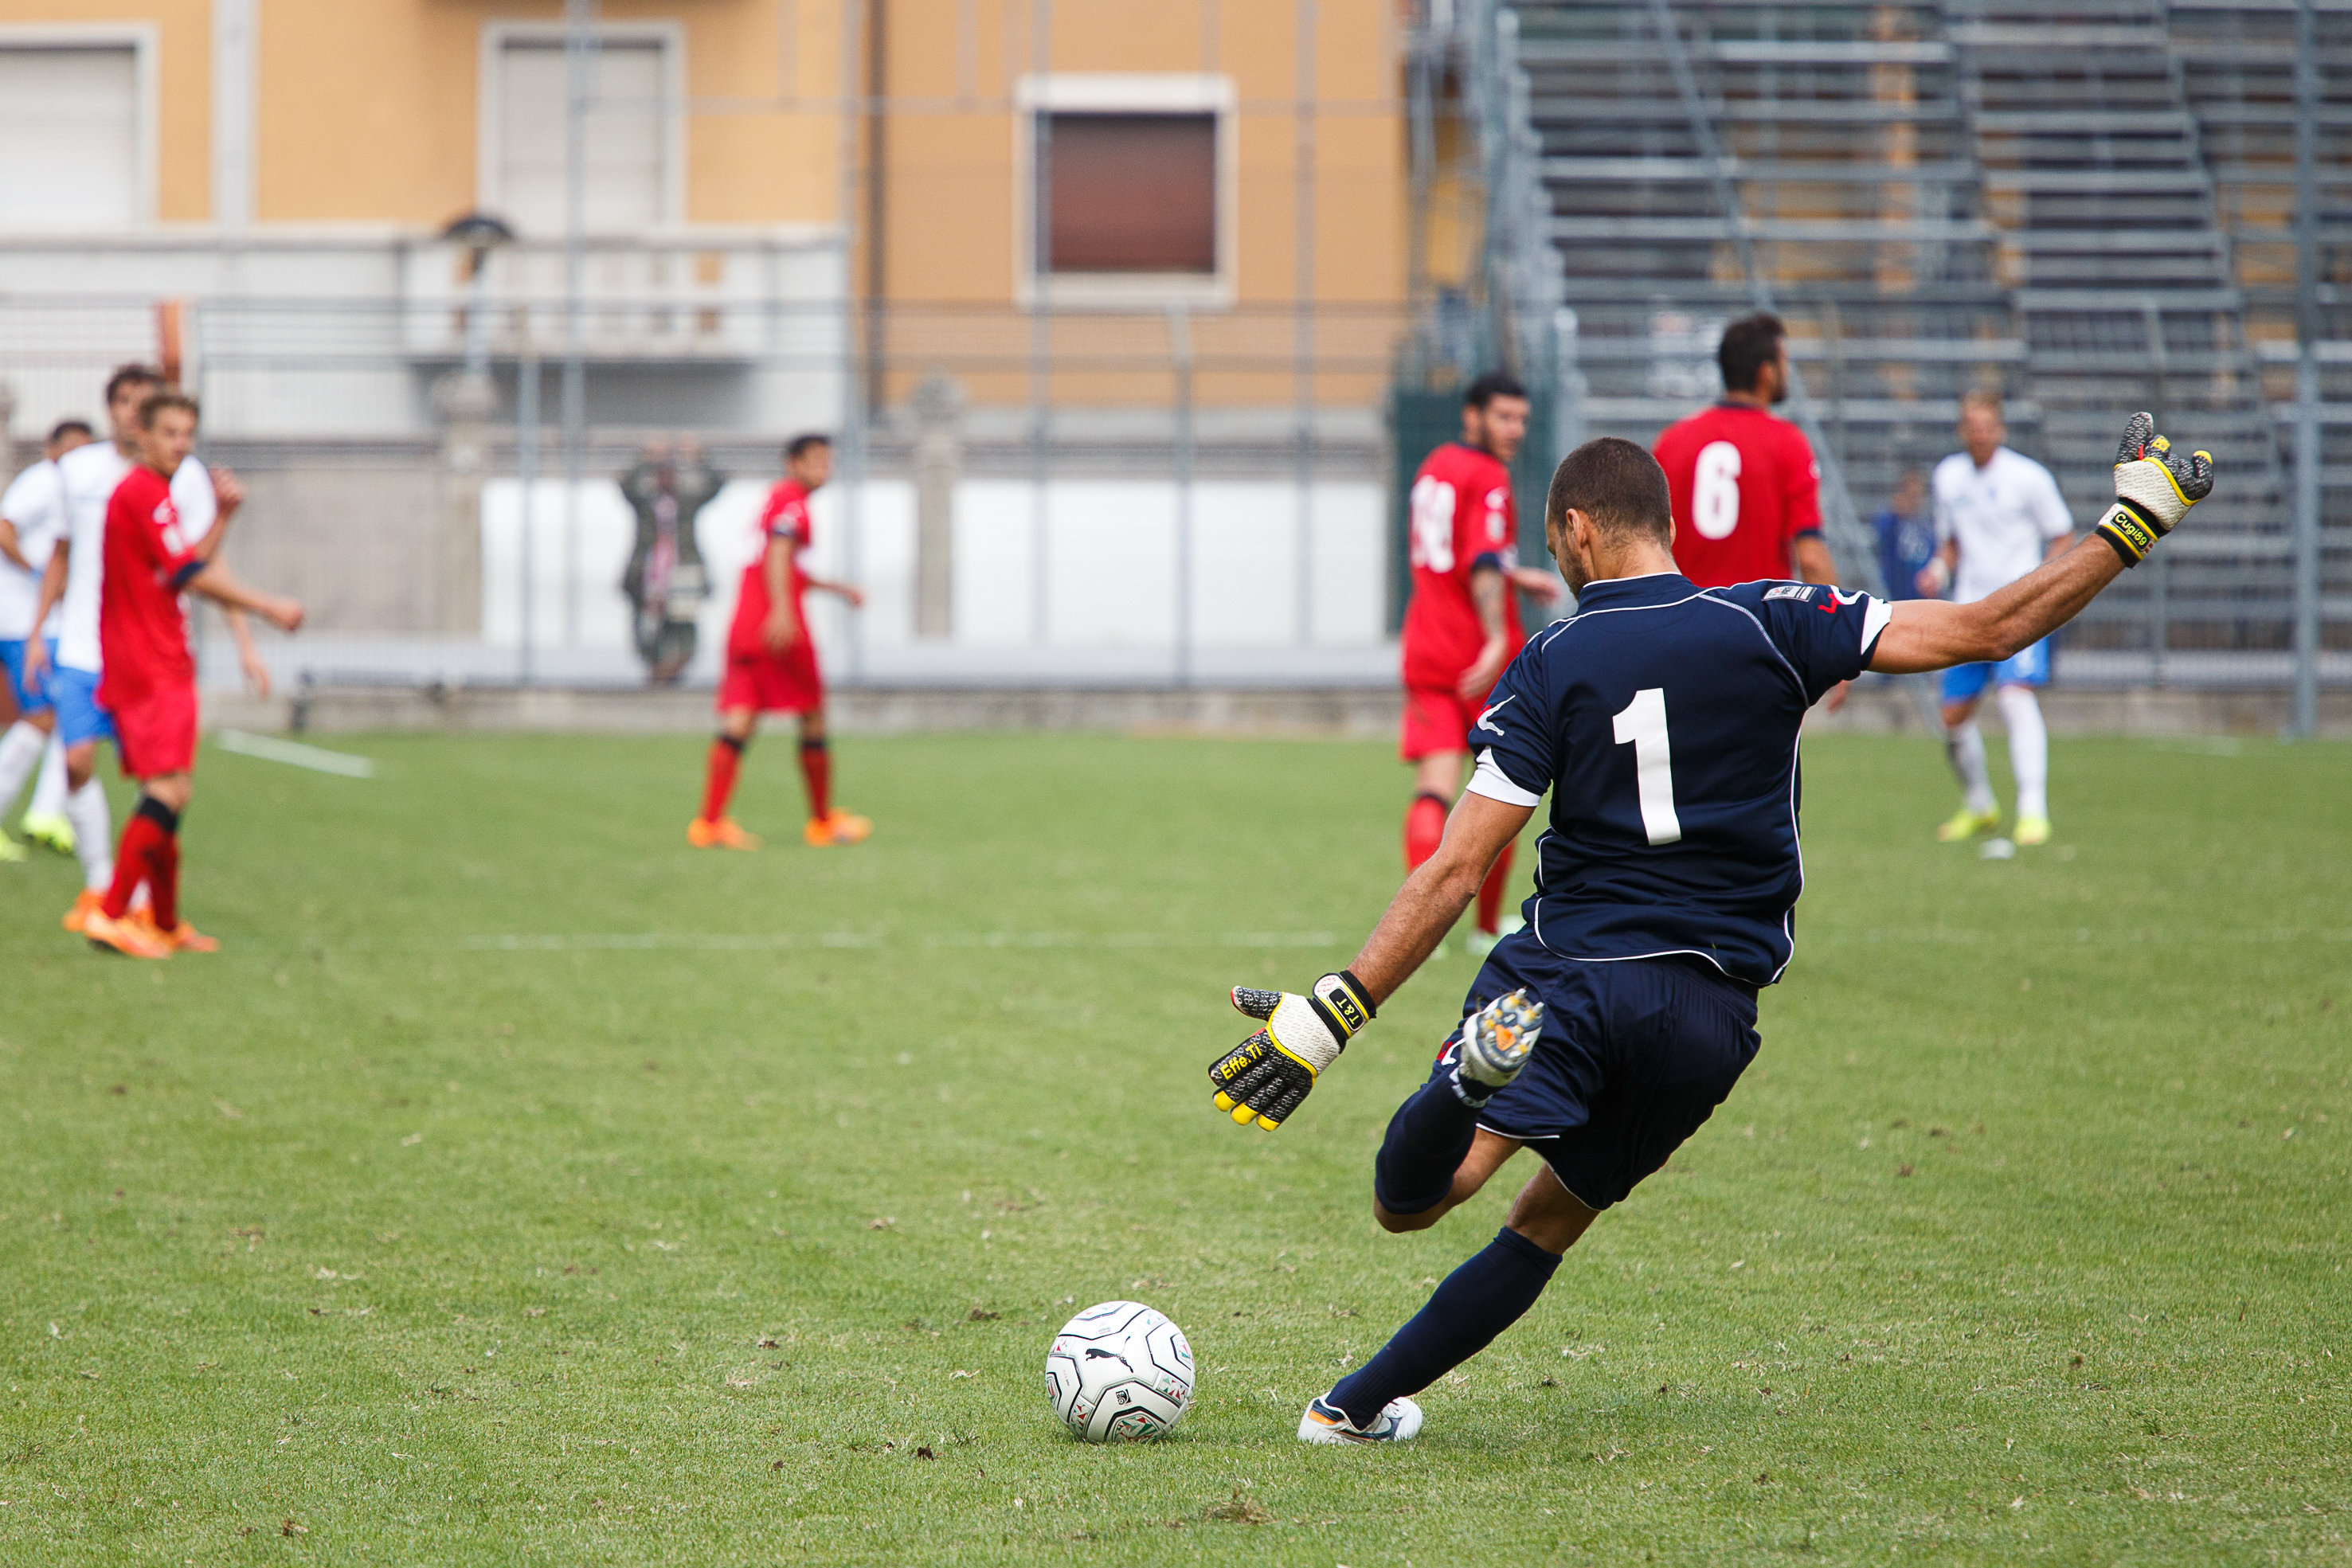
[
  {"x": 1428, "y": 1138},
  {"x": 1479, "y": 1301}
]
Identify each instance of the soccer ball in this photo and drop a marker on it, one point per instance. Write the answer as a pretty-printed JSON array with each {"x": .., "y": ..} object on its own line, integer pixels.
[{"x": 1118, "y": 1372}]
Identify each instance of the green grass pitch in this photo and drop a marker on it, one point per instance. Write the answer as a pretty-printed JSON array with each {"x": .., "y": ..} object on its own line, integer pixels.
[{"x": 520, "y": 1187}]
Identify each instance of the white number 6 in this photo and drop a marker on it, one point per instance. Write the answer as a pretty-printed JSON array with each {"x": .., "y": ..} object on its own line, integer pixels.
[
  {"x": 1642, "y": 725},
  {"x": 1715, "y": 491}
]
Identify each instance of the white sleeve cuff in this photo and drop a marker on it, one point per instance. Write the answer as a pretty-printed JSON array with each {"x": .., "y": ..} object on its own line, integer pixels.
[
  {"x": 1874, "y": 622},
  {"x": 1491, "y": 781}
]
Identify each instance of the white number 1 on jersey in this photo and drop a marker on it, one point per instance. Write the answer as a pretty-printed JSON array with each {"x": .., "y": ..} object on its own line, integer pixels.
[{"x": 1642, "y": 725}]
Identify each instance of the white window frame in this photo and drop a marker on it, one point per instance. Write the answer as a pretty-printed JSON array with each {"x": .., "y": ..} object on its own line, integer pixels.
[
  {"x": 490, "y": 151},
  {"x": 143, "y": 39},
  {"x": 1138, "y": 92}
]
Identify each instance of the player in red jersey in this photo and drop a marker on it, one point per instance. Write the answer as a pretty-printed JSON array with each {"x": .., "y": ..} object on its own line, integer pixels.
[
  {"x": 771, "y": 663},
  {"x": 150, "y": 678},
  {"x": 1746, "y": 488},
  {"x": 1463, "y": 624}
]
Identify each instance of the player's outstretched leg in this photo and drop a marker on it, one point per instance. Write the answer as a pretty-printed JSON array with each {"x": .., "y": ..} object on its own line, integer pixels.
[
  {"x": 1965, "y": 747},
  {"x": 93, "y": 826},
  {"x": 2028, "y": 759},
  {"x": 714, "y": 829},
  {"x": 826, "y": 825},
  {"x": 1490, "y": 927},
  {"x": 45, "y": 820},
  {"x": 1477, "y": 1302}
]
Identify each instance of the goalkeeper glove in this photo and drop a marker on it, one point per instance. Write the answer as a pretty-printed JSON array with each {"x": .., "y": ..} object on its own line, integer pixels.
[
  {"x": 1264, "y": 1079},
  {"x": 2155, "y": 487}
]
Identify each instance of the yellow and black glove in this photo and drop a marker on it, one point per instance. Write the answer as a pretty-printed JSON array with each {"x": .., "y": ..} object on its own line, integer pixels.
[
  {"x": 2155, "y": 487},
  {"x": 1264, "y": 1079}
]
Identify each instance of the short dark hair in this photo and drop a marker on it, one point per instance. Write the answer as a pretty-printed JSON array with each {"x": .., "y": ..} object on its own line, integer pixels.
[
  {"x": 1616, "y": 484},
  {"x": 163, "y": 399},
  {"x": 799, "y": 444},
  {"x": 1490, "y": 386},
  {"x": 124, "y": 375},
  {"x": 1749, "y": 345},
  {"x": 65, "y": 427}
]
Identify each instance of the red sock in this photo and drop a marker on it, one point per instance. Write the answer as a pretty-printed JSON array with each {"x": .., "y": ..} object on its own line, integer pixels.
[
  {"x": 1490, "y": 892},
  {"x": 726, "y": 756},
  {"x": 816, "y": 772},
  {"x": 134, "y": 861},
  {"x": 163, "y": 881},
  {"x": 1424, "y": 828}
]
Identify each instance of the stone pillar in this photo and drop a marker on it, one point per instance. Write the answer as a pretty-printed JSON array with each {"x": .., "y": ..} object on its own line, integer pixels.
[
  {"x": 939, "y": 463},
  {"x": 465, "y": 404}
]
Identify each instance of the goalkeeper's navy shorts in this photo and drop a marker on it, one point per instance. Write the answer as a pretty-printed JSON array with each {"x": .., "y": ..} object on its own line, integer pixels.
[{"x": 1635, "y": 1055}]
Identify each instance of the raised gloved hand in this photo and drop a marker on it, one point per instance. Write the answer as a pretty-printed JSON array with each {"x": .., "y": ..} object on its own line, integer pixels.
[
  {"x": 2155, "y": 487},
  {"x": 1264, "y": 1079}
]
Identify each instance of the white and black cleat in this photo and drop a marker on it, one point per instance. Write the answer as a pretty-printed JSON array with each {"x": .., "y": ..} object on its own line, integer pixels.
[
  {"x": 1496, "y": 1041},
  {"x": 1397, "y": 1422}
]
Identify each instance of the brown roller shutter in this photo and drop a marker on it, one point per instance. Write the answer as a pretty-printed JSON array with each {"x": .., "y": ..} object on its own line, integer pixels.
[{"x": 1133, "y": 192}]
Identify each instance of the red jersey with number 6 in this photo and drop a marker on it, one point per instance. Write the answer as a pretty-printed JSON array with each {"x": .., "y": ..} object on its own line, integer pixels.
[
  {"x": 1460, "y": 516},
  {"x": 1743, "y": 486},
  {"x": 141, "y": 630},
  {"x": 785, "y": 517}
]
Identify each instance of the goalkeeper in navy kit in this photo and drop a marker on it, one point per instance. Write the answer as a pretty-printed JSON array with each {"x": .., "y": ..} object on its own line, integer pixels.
[{"x": 1663, "y": 720}]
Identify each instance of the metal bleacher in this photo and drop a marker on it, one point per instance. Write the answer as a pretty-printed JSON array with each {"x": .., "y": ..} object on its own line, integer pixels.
[{"x": 2083, "y": 205}]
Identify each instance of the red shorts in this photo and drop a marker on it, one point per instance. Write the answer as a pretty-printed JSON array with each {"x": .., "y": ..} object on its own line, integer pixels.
[
  {"x": 155, "y": 732},
  {"x": 1436, "y": 719},
  {"x": 774, "y": 683}
]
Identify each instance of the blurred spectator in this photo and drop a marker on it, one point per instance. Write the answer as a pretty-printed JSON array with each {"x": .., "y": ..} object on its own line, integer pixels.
[
  {"x": 665, "y": 580},
  {"x": 1906, "y": 537}
]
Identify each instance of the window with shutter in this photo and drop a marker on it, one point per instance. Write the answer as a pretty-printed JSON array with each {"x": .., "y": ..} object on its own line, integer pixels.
[{"x": 71, "y": 130}]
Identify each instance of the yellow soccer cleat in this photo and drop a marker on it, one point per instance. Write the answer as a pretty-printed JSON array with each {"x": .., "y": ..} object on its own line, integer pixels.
[
  {"x": 48, "y": 830},
  {"x": 2031, "y": 831},
  {"x": 11, "y": 850},
  {"x": 1964, "y": 824},
  {"x": 725, "y": 833}
]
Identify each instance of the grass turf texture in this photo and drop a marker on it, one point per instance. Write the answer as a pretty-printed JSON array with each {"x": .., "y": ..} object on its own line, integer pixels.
[{"x": 378, "y": 1237}]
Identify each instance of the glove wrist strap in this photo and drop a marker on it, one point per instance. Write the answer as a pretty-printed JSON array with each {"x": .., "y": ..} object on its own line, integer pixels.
[
  {"x": 1343, "y": 1004},
  {"x": 2129, "y": 534}
]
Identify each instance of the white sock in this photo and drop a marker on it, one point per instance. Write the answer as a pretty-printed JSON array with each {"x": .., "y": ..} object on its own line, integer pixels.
[
  {"x": 1965, "y": 747},
  {"x": 20, "y": 753},
  {"x": 49, "y": 789},
  {"x": 93, "y": 826},
  {"x": 2029, "y": 750}
]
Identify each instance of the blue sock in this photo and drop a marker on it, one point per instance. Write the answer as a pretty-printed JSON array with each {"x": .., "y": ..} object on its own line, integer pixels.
[
  {"x": 1428, "y": 1139},
  {"x": 1479, "y": 1301}
]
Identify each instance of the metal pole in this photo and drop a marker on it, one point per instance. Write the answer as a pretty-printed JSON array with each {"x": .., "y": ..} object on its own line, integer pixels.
[
  {"x": 1180, "y": 353},
  {"x": 579, "y": 44},
  {"x": 858, "y": 374},
  {"x": 2306, "y": 721},
  {"x": 2160, "y": 591},
  {"x": 1303, "y": 328},
  {"x": 526, "y": 480},
  {"x": 1041, "y": 318}
]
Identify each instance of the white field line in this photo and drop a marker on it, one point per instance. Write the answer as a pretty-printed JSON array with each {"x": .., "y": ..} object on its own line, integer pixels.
[
  {"x": 294, "y": 754},
  {"x": 781, "y": 941}
]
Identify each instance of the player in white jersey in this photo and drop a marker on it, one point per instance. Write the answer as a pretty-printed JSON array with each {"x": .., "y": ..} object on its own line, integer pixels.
[
  {"x": 32, "y": 519},
  {"x": 1999, "y": 515}
]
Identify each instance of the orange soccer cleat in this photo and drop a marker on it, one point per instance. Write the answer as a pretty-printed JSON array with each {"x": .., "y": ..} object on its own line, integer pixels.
[
  {"x": 725, "y": 833},
  {"x": 86, "y": 904},
  {"x": 125, "y": 936},
  {"x": 849, "y": 828},
  {"x": 182, "y": 938}
]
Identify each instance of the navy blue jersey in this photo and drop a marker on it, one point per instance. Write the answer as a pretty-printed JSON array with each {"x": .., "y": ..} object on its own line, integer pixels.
[{"x": 1662, "y": 718}]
